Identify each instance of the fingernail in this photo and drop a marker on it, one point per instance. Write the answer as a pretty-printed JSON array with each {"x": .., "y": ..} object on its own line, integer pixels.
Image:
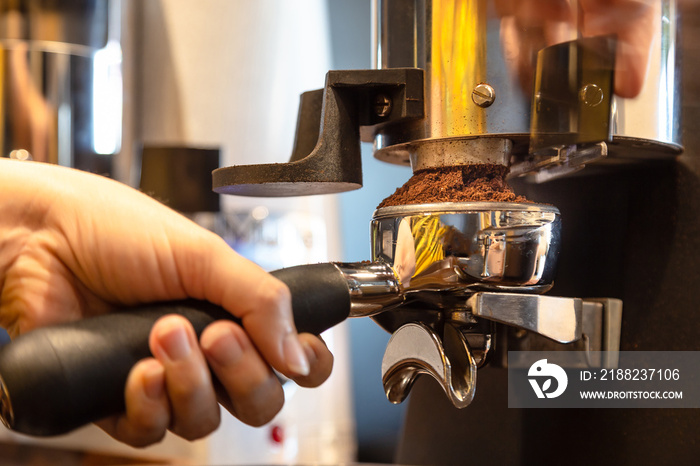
[
  {"x": 173, "y": 339},
  {"x": 310, "y": 353},
  {"x": 153, "y": 380},
  {"x": 222, "y": 346},
  {"x": 295, "y": 356}
]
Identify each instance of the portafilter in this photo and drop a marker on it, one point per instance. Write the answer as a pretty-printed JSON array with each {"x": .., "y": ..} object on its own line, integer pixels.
[{"x": 429, "y": 263}]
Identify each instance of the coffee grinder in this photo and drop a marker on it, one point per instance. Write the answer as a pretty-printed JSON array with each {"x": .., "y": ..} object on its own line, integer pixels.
[
  {"x": 446, "y": 94},
  {"x": 460, "y": 283}
]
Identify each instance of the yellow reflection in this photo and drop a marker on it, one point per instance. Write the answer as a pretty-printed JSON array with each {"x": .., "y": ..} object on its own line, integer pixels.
[
  {"x": 428, "y": 232},
  {"x": 459, "y": 64}
]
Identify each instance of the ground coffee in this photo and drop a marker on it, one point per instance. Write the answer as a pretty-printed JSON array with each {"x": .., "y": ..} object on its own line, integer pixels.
[{"x": 465, "y": 183}]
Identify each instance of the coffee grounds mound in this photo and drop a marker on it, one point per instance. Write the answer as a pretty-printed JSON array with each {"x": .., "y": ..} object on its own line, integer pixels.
[{"x": 464, "y": 183}]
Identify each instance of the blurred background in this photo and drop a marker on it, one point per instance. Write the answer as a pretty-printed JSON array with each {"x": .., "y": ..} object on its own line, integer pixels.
[{"x": 135, "y": 89}]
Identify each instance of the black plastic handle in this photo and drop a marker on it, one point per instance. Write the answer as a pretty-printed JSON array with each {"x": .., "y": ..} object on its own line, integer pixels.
[{"x": 56, "y": 379}]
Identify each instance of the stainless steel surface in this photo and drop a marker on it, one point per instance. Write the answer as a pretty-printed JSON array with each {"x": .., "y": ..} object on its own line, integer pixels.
[
  {"x": 416, "y": 349},
  {"x": 598, "y": 346},
  {"x": 566, "y": 73},
  {"x": 464, "y": 44},
  {"x": 451, "y": 350},
  {"x": 592, "y": 327},
  {"x": 479, "y": 334},
  {"x": 560, "y": 161},
  {"x": 440, "y": 255},
  {"x": 591, "y": 95},
  {"x": 553, "y": 317},
  {"x": 449, "y": 152},
  {"x": 7, "y": 416},
  {"x": 447, "y": 251},
  {"x": 610, "y": 329},
  {"x": 61, "y": 78},
  {"x": 461, "y": 269},
  {"x": 70, "y": 26},
  {"x": 483, "y": 95},
  {"x": 460, "y": 248},
  {"x": 373, "y": 288}
]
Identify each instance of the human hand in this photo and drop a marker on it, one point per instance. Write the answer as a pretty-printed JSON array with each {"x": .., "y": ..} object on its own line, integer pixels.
[
  {"x": 74, "y": 245},
  {"x": 529, "y": 25}
]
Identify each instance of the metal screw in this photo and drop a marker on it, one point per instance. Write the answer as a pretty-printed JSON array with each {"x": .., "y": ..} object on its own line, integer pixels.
[
  {"x": 483, "y": 95},
  {"x": 382, "y": 105},
  {"x": 591, "y": 95}
]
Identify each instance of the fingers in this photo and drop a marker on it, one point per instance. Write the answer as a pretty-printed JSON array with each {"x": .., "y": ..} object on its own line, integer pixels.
[
  {"x": 172, "y": 391},
  {"x": 194, "y": 409},
  {"x": 147, "y": 413},
  {"x": 633, "y": 22},
  {"x": 320, "y": 361},
  {"x": 263, "y": 304},
  {"x": 254, "y": 393},
  {"x": 175, "y": 391},
  {"x": 528, "y": 25},
  {"x": 634, "y": 51}
]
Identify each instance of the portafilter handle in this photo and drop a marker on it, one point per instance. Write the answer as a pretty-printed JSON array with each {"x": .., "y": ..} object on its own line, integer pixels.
[{"x": 56, "y": 379}]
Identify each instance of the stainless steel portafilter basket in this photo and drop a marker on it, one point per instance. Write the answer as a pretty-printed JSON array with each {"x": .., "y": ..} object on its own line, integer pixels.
[
  {"x": 439, "y": 254},
  {"x": 467, "y": 247}
]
